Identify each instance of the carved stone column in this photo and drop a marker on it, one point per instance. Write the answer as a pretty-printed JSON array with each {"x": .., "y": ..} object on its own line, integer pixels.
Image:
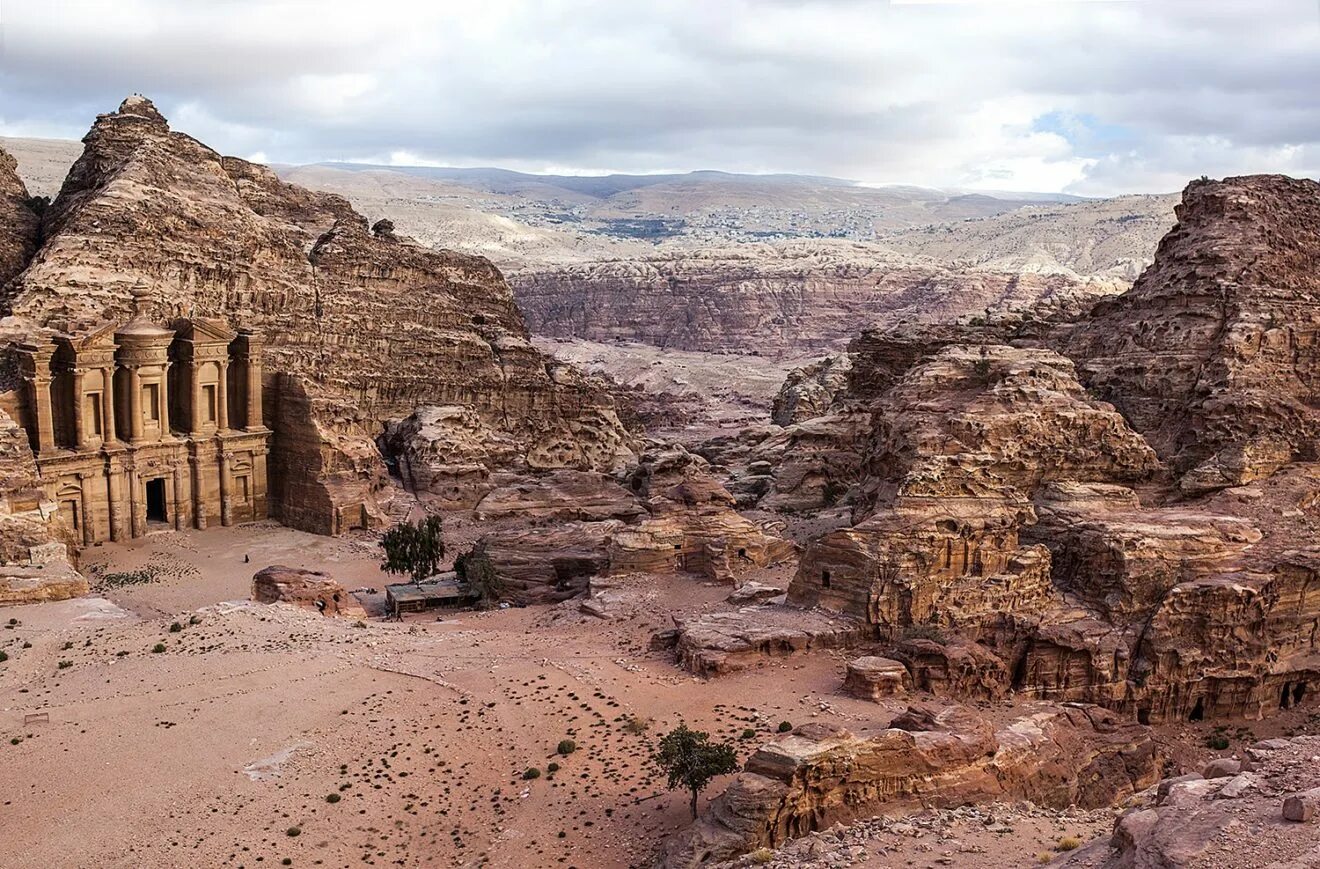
[
  {"x": 226, "y": 499},
  {"x": 88, "y": 530},
  {"x": 222, "y": 398},
  {"x": 198, "y": 493},
  {"x": 79, "y": 411},
  {"x": 115, "y": 485},
  {"x": 138, "y": 504},
  {"x": 164, "y": 395},
  {"x": 45, "y": 421},
  {"x": 134, "y": 406},
  {"x": 253, "y": 390},
  {"x": 195, "y": 389},
  {"x": 180, "y": 499},
  {"x": 108, "y": 433}
]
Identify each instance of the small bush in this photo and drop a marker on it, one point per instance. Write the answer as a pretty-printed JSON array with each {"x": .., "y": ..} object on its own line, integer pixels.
[
  {"x": 566, "y": 747},
  {"x": 194, "y": 620},
  {"x": 4, "y": 656},
  {"x": 749, "y": 733},
  {"x": 761, "y": 856},
  {"x": 175, "y": 628},
  {"x": 923, "y": 632},
  {"x": 332, "y": 798},
  {"x": 1217, "y": 742},
  {"x": 552, "y": 767},
  {"x": 26, "y": 644},
  {"x": 1044, "y": 857},
  {"x": 158, "y": 648},
  {"x": 636, "y": 726},
  {"x": 67, "y": 646},
  {"x": 1069, "y": 843},
  {"x": 785, "y": 727},
  {"x": 532, "y": 773},
  {"x": 64, "y": 665},
  {"x": 16, "y": 740},
  {"x": 293, "y": 831}
]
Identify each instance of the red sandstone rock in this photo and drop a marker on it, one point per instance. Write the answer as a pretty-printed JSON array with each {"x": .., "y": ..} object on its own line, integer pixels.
[
  {"x": 306, "y": 588},
  {"x": 874, "y": 678}
]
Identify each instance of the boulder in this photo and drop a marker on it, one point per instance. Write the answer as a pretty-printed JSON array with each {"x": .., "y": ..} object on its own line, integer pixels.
[
  {"x": 873, "y": 678},
  {"x": 312, "y": 589}
]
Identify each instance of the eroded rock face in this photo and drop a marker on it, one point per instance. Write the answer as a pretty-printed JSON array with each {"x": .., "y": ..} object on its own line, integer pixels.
[
  {"x": 19, "y": 225},
  {"x": 809, "y": 391},
  {"x": 35, "y": 545},
  {"x": 1213, "y": 820},
  {"x": 1212, "y": 353},
  {"x": 669, "y": 515},
  {"x": 361, "y": 327},
  {"x": 875, "y": 678},
  {"x": 312, "y": 589},
  {"x": 821, "y": 774},
  {"x": 795, "y": 298}
]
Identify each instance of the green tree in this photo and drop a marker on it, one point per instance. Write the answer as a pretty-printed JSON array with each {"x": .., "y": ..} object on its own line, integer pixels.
[
  {"x": 414, "y": 548},
  {"x": 476, "y": 569},
  {"x": 691, "y": 760}
]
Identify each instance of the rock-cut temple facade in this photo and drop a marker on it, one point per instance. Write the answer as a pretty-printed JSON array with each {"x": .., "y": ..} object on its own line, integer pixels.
[{"x": 140, "y": 427}]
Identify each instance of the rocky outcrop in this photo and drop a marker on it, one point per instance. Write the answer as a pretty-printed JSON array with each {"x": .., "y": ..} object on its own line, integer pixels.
[
  {"x": 20, "y": 227},
  {"x": 312, "y": 589},
  {"x": 809, "y": 391},
  {"x": 821, "y": 774},
  {"x": 669, "y": 515},
  {"x": 1211, "y": 355},
  {"x": 715, "y": 644},
  {"x": 35, "y": 546},
  {"x": 1231, "y": 814},
  {"x": 874, "y": 678},
  {"x": 361, "y": 327}
]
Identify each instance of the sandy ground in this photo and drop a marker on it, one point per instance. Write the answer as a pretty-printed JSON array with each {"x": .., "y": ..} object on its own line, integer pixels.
[{"x": 269, "y": 735}]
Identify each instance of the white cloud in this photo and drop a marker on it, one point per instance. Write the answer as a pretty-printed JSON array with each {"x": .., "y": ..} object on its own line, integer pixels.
[{"x": 1094, "y": 97}]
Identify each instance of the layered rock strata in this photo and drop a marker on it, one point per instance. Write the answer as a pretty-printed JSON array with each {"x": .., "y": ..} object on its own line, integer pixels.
[{"x": 821, "y": 774}]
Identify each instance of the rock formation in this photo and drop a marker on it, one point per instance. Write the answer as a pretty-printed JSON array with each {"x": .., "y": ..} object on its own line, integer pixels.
[
  {"x": 1232, "y": 809},
  {"x": 305, "y": 588},
  {"x": 794, "y": 298},
  {"x": 821, "y": 774},
  {"x": 19, "y": 226},
  {"x": 1211, "y": 355},
  {"x": 810, "y": 391},
  {"x": 362, "y": 327}
]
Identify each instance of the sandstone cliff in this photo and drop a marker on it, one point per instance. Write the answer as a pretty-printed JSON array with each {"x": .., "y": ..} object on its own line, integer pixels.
[
  {"x": 361, "y": 327},
  {"x": 785, "y": 299},
  {"x": 19, "y": 226},
  {"x": 1212, "y": 354}
]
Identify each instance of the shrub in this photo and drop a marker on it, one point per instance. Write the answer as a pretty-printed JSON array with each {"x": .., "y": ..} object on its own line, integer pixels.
[
  {"x": 4, "y": 656},
  {"x": 1069, "y": 843},
  {"x": 923, "y": 632},
  {"x": 532, "y": 773},
  {"x": 158, "y": 648},
  {"x": 194, "y": 620},
  {"x": 785, "y": 726},
  {"x": 64, "y": 665},
  {"x": 566, "y": 747},
  {"x": 67, "y": 646},
  {"x": 636, "y": 726},
  {"x": 1217, "y": 742},
  {"x": 175, "y": 628},
  {"x": 761, "y": 856},
  {"x": 332, "y": 798},
  {"x": 749, "y": 733},
  {"x": 293, "y": 831}
]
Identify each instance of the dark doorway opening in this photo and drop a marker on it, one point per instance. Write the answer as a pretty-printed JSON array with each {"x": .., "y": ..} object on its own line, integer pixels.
[
  {"x": 1198, "y": 711},
  {"x": 156, "y": 501}
]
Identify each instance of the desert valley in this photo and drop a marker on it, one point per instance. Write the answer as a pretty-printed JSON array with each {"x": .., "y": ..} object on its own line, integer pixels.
[{"x": 974, "y": 530}]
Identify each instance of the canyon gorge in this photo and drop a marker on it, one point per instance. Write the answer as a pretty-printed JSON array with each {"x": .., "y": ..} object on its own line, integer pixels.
[{"x": 975, "y": 525}]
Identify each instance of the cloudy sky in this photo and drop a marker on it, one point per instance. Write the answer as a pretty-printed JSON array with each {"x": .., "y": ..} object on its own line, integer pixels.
[{"x": 1085, "y": 96}]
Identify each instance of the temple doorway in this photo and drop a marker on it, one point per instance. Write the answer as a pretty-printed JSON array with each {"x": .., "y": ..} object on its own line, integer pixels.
[{"x": 156, "y": 511}]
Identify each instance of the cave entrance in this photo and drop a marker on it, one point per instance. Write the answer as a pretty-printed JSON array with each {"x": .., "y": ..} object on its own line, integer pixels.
[
  {"x": 1198, "y": 711},
  {"x": 156, "y": 510},
  {"x": 824, "y": 579},
  {"x": 1299, "y": 692}
]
